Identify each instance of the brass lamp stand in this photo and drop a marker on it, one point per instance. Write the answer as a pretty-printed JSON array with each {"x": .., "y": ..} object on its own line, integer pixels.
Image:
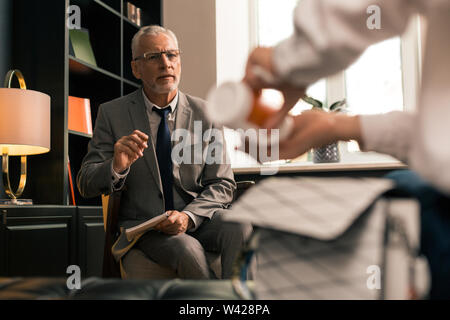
[
  {"x": 5, "y": 156},
  {"x": 6, "y": 183},
  {"x": 24, "y": 130}
]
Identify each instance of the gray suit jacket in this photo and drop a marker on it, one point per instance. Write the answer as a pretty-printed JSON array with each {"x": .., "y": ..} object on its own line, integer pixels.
[{"x": 204, "y": 187}]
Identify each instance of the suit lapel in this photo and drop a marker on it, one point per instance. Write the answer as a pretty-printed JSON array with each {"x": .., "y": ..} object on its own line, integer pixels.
[
  {"x": 141, "y": 122},
  {"x": 183, "y": 116},
  {"x": 182, "y": 121}
]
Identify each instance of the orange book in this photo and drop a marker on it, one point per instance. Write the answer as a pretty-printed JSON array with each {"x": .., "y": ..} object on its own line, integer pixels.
[{"x": 80, "y": 115}]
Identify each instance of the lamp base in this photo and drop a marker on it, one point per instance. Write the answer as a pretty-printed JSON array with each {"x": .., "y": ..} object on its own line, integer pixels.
[{"x": 15, "y": 202}]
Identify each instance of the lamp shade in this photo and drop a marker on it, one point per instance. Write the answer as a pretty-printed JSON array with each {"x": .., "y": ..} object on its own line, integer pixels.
[{"x": 24, "y": 122}]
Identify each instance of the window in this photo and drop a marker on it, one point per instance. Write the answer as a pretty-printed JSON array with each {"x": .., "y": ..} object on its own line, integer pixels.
[
  {"x": 374, "y": 87},
  {"x": 274, "y": 23},
  {"x": 375, "y": 83}
]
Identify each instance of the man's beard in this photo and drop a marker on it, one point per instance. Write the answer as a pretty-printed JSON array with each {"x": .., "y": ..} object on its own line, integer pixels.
[{"x": 162, "y": 89}]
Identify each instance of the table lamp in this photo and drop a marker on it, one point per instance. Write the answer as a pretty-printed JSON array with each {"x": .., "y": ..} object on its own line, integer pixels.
[{"x": 24, "y": 130}]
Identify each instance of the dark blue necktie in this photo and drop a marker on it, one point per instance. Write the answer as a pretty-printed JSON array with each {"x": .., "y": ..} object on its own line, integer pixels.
[{"x": 163, "y": 153}]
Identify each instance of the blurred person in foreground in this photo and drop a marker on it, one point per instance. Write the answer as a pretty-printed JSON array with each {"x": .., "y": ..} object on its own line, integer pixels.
[{"x": 330, "y": 35}]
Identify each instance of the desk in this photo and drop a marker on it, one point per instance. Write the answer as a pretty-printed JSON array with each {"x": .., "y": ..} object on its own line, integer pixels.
[
  {"x": 303, "y": 167},
  {"x": 351, "y": 162},
  {"x": 367, "y": 164}
]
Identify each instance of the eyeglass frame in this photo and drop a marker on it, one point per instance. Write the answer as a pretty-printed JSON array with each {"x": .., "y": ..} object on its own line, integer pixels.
[{"x": 158, "y": 55}]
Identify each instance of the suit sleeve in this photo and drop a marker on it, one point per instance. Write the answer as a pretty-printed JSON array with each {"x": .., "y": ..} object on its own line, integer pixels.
[
  {"x": 217, "y": 179},
  {"x": 95, "y": 177}
]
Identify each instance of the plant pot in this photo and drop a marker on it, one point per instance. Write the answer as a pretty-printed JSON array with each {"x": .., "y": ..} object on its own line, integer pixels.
[{"x": 327, "y": 154}]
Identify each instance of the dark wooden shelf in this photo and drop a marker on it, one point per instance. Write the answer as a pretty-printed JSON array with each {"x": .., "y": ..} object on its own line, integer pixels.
[
  {"x": 131, "y": 23},
  {"x": 81, "y": 67},
  {"x": 73, "y": 61},
  {"x": 51, "y": 69},
  {"x": 107, "y": 7}
]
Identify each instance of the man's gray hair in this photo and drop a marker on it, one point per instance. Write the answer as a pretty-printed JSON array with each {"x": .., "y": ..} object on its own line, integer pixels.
[{"x": 152, "y": 30}]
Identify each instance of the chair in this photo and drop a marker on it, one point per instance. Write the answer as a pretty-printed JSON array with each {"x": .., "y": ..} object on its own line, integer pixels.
[{"x": 136, "y": 265}]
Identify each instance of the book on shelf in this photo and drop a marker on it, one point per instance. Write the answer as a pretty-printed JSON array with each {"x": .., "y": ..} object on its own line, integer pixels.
[
  {"x": 79, "y": 118},
  {"x": 134, "y": 13},
  {"x": 131, "y": 233},
  {"x": 80, "y": 46},
  {"x": 71, "y": 185}
]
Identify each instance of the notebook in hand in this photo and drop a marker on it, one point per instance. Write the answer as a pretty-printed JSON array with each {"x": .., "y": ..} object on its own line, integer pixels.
[{"x": 131, "y": 233}]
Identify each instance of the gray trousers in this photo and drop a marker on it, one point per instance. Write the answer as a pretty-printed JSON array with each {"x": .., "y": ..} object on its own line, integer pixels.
[{"x": 185, "y": 253}]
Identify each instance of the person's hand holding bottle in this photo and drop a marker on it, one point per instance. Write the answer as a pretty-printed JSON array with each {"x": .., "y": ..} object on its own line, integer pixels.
[{"x": 311, "y": 128}]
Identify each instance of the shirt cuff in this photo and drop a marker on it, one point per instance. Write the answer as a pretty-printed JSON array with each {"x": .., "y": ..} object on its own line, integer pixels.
[
  {"x": 196, "y": 219},
  {"x": 118, "y": 179}
]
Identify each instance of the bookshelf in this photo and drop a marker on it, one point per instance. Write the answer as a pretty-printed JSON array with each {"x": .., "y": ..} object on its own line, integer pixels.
[{"x": 40, "y": 50}]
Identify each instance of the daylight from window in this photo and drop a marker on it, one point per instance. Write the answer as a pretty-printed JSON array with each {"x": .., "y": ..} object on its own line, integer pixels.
[{"x": 373, "y": 84}]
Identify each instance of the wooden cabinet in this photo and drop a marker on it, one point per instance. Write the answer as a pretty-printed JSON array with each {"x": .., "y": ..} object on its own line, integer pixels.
[
  {"x": 37, "y": 240},
  {"x": 90, "y": 243},
  {"x": 45, "y": 240},
  {"x": 41, "y": 50}
]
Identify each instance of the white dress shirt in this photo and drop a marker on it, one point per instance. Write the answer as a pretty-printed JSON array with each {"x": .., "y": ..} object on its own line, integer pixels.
[
  {"x": 331, "y": 34},
  {"x": 154, "y": 120}
]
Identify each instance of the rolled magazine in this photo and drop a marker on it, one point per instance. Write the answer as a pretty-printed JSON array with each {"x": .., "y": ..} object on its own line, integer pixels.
[{"x": 131, "y": 233}]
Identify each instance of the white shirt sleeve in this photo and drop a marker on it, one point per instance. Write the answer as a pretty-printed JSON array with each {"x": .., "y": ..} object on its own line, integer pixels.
[
  {"x": 196, "y": 219},
  {"x": 331, "y": 34},
  {"x": 117, "y": 179},
  {"x": 389, "y": 133}
]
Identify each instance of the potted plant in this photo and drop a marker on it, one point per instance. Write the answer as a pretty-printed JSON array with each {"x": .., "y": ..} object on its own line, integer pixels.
[{"x": 330, "y": 152}]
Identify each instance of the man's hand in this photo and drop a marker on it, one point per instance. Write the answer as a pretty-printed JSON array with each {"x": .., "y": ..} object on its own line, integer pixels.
[
  {"x": 177, "y": 222},
  {"x": 128, "y": 149}
]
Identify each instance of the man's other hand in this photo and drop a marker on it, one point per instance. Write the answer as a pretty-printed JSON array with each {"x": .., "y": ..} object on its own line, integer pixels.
[
  {"x": 177, "y": 222},
  {"x": 128, "y": 149}
]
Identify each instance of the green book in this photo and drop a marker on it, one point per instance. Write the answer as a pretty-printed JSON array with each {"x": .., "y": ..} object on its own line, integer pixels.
[{"x": 80, "y": 46}]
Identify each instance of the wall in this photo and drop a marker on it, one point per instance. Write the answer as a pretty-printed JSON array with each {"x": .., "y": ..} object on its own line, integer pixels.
[
  {"x": 5, "y": 37},
  {"x": 193, "y": 21},
  {"x": 234, "y": 38},
  {"x": 214, "y": 37}
]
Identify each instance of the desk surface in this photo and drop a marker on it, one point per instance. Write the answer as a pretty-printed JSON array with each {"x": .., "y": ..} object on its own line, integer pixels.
[
  {"x": 354, "y": 162},
  {"x": 317, "y": 167}
]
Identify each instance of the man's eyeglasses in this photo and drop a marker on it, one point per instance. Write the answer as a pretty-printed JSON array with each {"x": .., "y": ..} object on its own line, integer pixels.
[{"x": 172, "y": 55}]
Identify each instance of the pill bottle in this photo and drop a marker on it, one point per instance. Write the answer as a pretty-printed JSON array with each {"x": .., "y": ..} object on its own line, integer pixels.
[{"x": 237, "y": 106}]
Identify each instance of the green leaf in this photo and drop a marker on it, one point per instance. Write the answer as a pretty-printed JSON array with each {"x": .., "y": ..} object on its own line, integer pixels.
[{"x": 315, "y": 103}]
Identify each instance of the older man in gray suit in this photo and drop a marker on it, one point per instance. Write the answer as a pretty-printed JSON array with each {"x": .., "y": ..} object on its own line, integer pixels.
[{"x": 131, "y": 151}]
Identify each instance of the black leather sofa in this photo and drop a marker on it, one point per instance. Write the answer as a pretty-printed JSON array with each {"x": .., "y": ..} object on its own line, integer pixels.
[{"x": 116, "y": 289}]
